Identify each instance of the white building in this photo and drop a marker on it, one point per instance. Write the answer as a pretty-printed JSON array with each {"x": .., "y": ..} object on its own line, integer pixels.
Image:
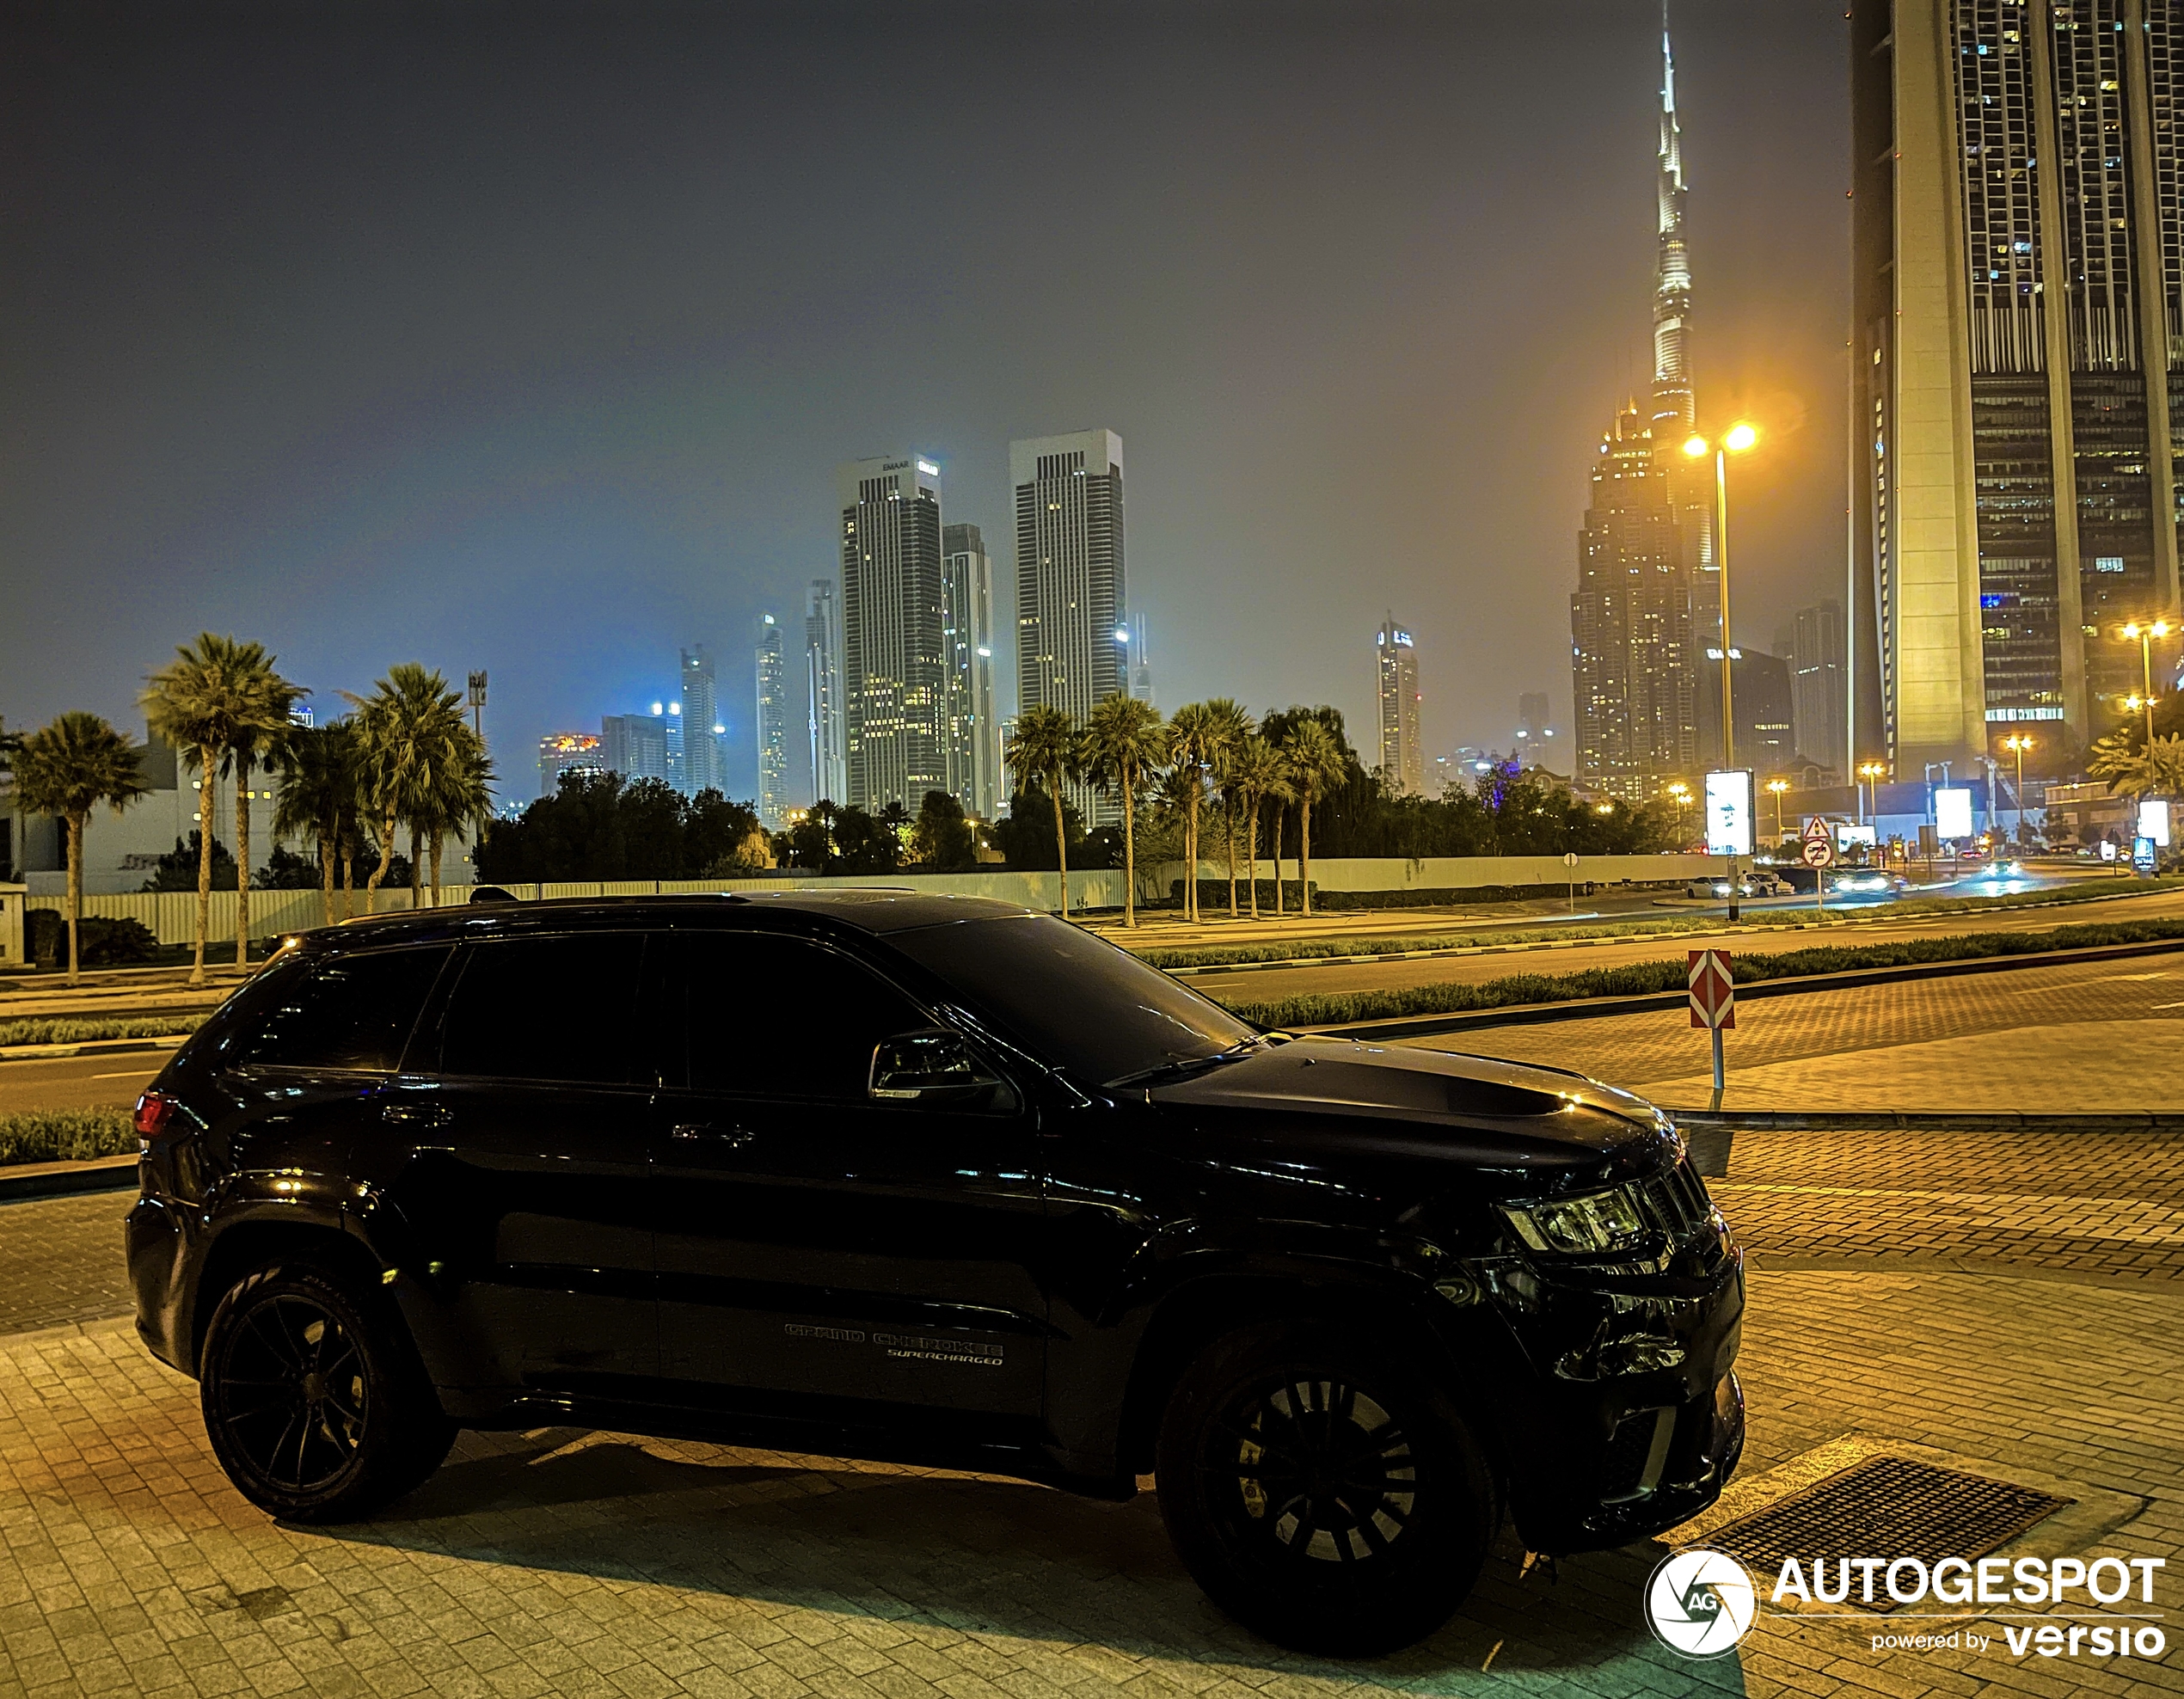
[
  {"x": 1402, "y": 752},
  {"x": 973, "y": 730}
]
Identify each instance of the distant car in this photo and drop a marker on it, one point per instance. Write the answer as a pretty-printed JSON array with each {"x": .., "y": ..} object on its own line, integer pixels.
[
  {"x": 1757, "y": 883},
  {"x": 1863, "y": 882}
]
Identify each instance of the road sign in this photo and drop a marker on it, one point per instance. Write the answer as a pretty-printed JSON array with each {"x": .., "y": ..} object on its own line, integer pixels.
[
  {"x": 1818, "y": 852},
  {"x": 1569, "y": 858},
  {"x": 1816, "y": 827},
  {"x": 1713, "y": 994}
]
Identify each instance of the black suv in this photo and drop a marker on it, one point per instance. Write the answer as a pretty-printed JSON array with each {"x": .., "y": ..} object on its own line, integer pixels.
[{"x": 942, "y": 1181}]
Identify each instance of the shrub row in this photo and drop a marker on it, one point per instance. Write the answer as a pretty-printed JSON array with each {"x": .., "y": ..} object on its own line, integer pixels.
[
  {"x": 1642, "y": 978},
  {"x": 66, "y": 1135},
  {"x": 62, "y": 1029}
]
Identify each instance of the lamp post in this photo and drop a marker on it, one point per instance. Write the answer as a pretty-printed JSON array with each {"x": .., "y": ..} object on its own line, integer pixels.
[
  {"x": 1682, "y": 793},
  {"x": 2017, "y": 743},
  {"x": 2144, "y": 634},
  {"x": 1778, "y": 786},
  {"x": 1738, "y": 437},
  {"x": 1871, "y": 772}
]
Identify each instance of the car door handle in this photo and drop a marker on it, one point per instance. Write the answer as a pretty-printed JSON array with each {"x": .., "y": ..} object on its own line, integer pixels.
[
  {"x": 414, "y": 1114},
  {"x": 735, "y": 1137}
]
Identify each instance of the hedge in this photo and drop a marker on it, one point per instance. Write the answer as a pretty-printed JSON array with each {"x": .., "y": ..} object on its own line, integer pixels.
[{"x": 66, "y": 1135}]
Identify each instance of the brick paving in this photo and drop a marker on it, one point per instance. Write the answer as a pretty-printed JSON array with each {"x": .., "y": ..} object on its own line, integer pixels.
[
  {"x": 563, "y": 1563},
  {"x": 60, "y": 1260}
]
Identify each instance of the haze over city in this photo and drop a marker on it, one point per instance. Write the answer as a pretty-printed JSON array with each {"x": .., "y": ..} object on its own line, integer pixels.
[{"x": 531, "y": 344}]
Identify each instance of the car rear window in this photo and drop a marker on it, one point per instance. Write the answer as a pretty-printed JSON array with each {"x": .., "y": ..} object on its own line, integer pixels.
[
  {"x": 350, "y": 1012},
  {"x": 554, "y": 1009}
]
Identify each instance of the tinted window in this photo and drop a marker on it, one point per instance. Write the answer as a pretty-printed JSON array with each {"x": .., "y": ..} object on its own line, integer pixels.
[
  {"x": 779, "y": 1017},
  {"x": 1093, "y": 1009},
  {"x": 547, "y": 1008},
  {"x": 354, "y": 1011}
]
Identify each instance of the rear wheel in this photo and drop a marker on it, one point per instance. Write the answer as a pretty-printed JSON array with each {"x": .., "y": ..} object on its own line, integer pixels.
[
  {"x": 314, "y": 1398},
  {"x": 1320, "y": 1493}
]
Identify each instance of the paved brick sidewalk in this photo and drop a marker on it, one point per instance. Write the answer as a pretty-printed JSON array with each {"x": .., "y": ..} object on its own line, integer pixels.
[
  {"x": 559, "y": 1562},
  {"x": 60, "y": 1260}
]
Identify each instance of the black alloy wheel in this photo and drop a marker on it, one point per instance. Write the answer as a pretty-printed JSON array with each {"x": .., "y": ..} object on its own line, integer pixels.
[
  {"x": 1320, "y": 1494},
  {"x": 315, "y": 1403}
]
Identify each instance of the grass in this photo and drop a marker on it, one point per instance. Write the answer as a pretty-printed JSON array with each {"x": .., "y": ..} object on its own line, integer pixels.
[
  {"x": 1915, "y": 908},
  {"x": 1641, "y": 978},
  {"x": 66, "y": 1135},
  {"x": 63, "y": 1030}
]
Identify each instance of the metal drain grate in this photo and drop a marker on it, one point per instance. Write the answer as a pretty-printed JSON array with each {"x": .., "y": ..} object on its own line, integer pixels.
[{"x": 1886, "y": 1507}]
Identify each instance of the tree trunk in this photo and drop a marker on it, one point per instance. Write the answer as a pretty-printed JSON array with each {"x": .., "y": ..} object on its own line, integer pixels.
[
  {"x": 208, "y": 764},
  {"x": 1129, "y": 855},
  {"x": 1061, "y": 847},
  {"x": 1280, "y": 809},
  {"x": 326, "y": 876},
  {"x": 1251, "y": 849},
  {"x": 1304, "y": 850},
  {"x": 1190, "y": 851},
  {"x": 416, "y": 870},
  {"x": 386, "y": 859},
  {"x": 74, "y": 891},
  {"x": 348, "y": 878},
  {"x": 436, "y": 869},
  {"x": 242, "y": 859},
  {"x": 1229, "y": 830}
]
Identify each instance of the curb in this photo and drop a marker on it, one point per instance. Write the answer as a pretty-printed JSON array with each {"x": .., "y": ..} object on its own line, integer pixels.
[
  {"x": 61, "y": 1052},
  {"x": 58, "y": 1180},
  {"x": 1579, "y": 1009},
  {"x": 1903, "y": 1120}
]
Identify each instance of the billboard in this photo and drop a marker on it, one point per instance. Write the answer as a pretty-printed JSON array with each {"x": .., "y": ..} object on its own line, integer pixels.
[
  {"x": 1952, "y": 814},
  {"x": 2153, "y": 820},
  {"x": 1729, "y": 813}
]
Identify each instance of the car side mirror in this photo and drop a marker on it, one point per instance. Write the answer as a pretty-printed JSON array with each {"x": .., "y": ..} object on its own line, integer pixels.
[{"x": 933, "y": 1066}]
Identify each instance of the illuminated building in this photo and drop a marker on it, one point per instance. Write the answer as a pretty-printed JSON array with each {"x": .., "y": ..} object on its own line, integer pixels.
[
  {"x": 771, "y": 724},
  {"x": 561, "y": 752},
  {"x": 894, "y": 674},
  {"x": 1819, "y": 689},
  {"x": 1072, "y": 638},
  {"x": 702, "y": 767},
  {"x": 2017, "y": 238},
  {"x": 973, "y": 730},
  {"x": 635, "y": 744},
  {"x": 1402, "y": 754},
  {"x": 823, "y": 691}
]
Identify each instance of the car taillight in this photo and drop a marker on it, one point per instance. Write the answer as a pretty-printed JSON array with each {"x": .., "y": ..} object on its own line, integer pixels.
[{"x": 155, "y": 1114}]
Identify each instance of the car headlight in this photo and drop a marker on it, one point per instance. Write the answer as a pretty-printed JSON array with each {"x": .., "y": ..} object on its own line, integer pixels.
[{"x": 1596, "y": 1224}]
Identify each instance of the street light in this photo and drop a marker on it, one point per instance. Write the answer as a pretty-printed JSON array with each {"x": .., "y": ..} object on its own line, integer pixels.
[
  {"x": 1738, "y": 437},
  {"x": 1872, "y": 772},
  {"x": 2145, "y": 635},
  {"x": 1778, "y": 786},
  {"x": 2017, "y": 743}
]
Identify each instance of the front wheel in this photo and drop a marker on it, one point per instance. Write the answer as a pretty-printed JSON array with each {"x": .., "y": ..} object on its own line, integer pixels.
[
  {"x": 314, "y": 1398},
  {"x": 1320, "y": 1493}
]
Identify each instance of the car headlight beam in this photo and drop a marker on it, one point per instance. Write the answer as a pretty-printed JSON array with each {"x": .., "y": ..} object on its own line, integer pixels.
[{"x": 1599, "y": 1223}]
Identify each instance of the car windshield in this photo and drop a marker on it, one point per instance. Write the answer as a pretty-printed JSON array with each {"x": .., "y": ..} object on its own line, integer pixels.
[{"x": 1096, "y": 1011}]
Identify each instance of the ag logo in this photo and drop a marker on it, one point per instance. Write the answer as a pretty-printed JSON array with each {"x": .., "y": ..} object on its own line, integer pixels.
[{"x": 1699, "y": 1603}]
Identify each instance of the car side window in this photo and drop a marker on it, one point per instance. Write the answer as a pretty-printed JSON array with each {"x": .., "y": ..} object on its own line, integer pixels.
[
  {"x": 783, "y": 1017},
  {"x": 562, "y": 1009},
  {"x": 350, "y": 1013}
]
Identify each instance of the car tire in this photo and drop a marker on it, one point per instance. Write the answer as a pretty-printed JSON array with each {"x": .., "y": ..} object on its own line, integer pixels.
[
  {"x": 1320, "y": 1492},
  {"x": 316, "y": 1403}
]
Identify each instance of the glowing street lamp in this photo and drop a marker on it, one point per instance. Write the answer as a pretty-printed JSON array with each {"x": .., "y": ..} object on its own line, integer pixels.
[
  {"x": 1872, "y": 772},
  {"x": 1778, "y": 786},
  {"x": 2144, "y": 633},
  {"x": 2017, "y": 743},
  {"x": 1737, "y": 439}
]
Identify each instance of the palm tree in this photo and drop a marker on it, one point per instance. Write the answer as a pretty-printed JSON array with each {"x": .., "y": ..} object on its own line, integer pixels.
[
  {"x": 460, "y": 796},
  {"x": 2136, "y": 768},
  {"x": 1230, "y": 724},
  {"x": 1046, "y": 748},
  {"x": 215, "y": 692},
  {"x": 1315, "y": 764},
  {"x": 254, "y": 746},
  {"x": 409, "y": 734},
  {"x": 1191, "y": 735},
  {"x": 1123, "y": 741},
  {"x": 317, "y": 797},
  {"x": 1254, "y": 774},
  {"x": 67, "y": 769}
]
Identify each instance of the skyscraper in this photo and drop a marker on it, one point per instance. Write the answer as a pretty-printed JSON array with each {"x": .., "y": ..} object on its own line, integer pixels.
[
  {"x": 1819, "y": 691},
  {"x": 701, "y": 768},
  {"x": 2017, "y": 241},
  {"x": 635, "y": 744},
  {"x": 823, "y": 691},
  {"x": 1140, "y": 663},
  {"x": 1675, "y": 405},
  {"x": 771, "y": 723},
  {"x": 561, "y": 752},
  {"x": 1073, "y": 600},
  {"x": 1402, "y": 752},
  {"x": 1632, "y": 668},
  {"x": 1532, "y": 715},
  {"x": 973, "y": 731},
  {"x": 894, "y": 675}
]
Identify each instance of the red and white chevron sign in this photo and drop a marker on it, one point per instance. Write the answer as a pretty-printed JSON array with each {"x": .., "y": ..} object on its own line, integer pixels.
[{"x": 1713, "y": 993}]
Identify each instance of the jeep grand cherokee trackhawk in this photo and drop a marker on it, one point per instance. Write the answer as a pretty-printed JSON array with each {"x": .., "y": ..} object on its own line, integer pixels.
[{"x": 935, "y": 1179}]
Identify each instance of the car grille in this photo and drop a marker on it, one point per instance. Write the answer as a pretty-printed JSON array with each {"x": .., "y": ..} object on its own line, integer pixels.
[{"x": 1678, "y": 1201}]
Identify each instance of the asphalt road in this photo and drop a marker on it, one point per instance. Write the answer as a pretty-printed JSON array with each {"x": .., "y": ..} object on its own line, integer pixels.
[
  {"x": 81, "y": 1083},
  {"x": 1264, "y": 984}
]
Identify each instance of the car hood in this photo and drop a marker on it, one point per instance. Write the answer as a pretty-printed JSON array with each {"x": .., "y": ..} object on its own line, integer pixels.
[{"x": 1319, "y": 1094}]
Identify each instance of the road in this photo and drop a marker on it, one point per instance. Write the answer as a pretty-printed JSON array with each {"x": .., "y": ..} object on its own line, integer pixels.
[
  {"x": 1259, "y": 985},
  {"x": 109, "y": 1082}
]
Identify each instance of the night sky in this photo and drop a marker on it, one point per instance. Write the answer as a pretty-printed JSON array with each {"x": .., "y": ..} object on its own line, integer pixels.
[{"x": 528, "y": 338}]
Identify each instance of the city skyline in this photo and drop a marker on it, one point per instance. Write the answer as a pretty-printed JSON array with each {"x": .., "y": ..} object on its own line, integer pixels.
[{"x": 591, "y": 467}]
